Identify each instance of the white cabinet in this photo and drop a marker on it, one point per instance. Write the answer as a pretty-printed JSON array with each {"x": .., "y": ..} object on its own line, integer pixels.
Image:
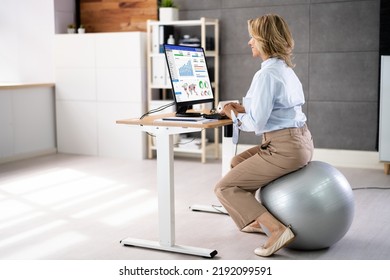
[
  {"x": 158, "y": 75},
  {"x": 27, "y": 121},
  {"x": 100, "y": 78},
  {"x": 384, "y": 115}
]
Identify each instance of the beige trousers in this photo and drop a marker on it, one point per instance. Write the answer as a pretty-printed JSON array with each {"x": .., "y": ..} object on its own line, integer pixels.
[{"x": 280, "y": 152}]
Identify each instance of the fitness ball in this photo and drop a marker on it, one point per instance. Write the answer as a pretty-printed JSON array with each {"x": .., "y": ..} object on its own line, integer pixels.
[{"x": 316, "y": 200}]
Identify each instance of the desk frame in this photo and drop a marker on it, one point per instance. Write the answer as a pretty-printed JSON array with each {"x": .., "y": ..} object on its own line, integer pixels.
[
  {"x": 165, "y": 184},
  {"x": 228, "y": 151}
]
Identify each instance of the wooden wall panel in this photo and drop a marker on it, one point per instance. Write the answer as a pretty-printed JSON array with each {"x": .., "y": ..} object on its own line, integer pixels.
[{"x": 117, "y": 15}]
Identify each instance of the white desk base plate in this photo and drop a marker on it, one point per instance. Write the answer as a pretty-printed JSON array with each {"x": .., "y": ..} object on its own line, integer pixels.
[
  {"x": 209, "y": 208},
  {"x": 207, "y": 253}
]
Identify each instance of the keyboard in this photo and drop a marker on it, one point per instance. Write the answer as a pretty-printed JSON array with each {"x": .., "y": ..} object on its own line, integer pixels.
[
  {"x": 189, "y": 115},
  {"x": 215, "y": 116}
]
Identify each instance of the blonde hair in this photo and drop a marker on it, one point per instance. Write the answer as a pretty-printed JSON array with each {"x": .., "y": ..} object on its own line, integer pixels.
[{"x": 272, "y": 35}]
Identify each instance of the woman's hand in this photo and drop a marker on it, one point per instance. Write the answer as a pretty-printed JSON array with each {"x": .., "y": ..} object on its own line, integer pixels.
[{"x": 235, "y": 107}]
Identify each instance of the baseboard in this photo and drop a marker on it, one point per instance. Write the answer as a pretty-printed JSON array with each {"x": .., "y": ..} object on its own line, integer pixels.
[
  {"x": 349, "y": 158},
  {"x": 28, "y": 155}
]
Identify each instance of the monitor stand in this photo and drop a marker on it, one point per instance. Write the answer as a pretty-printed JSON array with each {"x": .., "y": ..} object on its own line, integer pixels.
[{"x": 182, "y": 112}]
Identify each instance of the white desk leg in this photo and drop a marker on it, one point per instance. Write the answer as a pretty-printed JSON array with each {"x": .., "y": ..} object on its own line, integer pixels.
[
  {"x": 228, "y": 151},
  {"x": 166, "y": 205},
  {"x": 165, "y": 189}
]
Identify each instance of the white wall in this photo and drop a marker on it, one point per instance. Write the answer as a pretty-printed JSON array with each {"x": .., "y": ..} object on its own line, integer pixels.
[
  {"x": 64, "y": 14},
  {"x": 27, "y": 119},
  {"x": 26, "y": 41}
]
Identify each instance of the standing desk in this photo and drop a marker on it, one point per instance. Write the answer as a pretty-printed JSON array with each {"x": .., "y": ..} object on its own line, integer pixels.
[{"x": 164, "y": 131}]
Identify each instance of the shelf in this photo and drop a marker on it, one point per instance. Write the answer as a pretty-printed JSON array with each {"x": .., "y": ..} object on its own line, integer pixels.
[
  {"x": 183, "y": 150},
  {"x": 152, "y": 86},
  {"x": 160, "y": 86},
  {"x": 158, "y": 79},
  {"x": 206, "y": 21},
  {"x": 162, "y": 55},
  {"x": 209, "y": 151}
]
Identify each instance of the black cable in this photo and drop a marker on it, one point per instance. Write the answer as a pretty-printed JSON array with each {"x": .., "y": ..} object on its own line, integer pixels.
[
  {"x": 184, "y": 143},
  {"x": 161, "y": 108},
  {"x": 235, "y": 149},
  {"x": 158, "y": 109}
]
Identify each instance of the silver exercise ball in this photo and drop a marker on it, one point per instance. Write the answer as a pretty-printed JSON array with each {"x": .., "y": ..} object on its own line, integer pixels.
[{"x": 316, "y": 200}]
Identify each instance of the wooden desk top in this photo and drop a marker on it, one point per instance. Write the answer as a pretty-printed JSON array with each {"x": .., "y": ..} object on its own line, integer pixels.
[
  {"x": 152, "y": 120},
  {"x": 24, "y": 85}
]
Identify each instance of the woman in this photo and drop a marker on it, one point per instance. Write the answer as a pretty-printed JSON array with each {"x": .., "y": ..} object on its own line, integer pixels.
[{"x": 272, "y": 108}]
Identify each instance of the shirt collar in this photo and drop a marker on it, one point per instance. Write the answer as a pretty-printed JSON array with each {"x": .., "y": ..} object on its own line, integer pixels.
[{"x": 269, "y": 62}]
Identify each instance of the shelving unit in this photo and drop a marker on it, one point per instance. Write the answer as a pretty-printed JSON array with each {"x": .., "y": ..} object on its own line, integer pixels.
[{"x": 158, "y": 82}]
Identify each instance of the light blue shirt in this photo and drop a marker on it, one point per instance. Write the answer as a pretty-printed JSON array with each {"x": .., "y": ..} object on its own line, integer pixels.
[{"x": 274, "y": 100}]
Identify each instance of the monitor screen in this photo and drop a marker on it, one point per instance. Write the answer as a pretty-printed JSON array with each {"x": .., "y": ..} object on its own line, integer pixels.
[{"x": 189, "y": 76}]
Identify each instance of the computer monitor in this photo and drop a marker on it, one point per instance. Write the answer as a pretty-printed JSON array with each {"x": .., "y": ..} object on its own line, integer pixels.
[{"x": 189, "y": 77}]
